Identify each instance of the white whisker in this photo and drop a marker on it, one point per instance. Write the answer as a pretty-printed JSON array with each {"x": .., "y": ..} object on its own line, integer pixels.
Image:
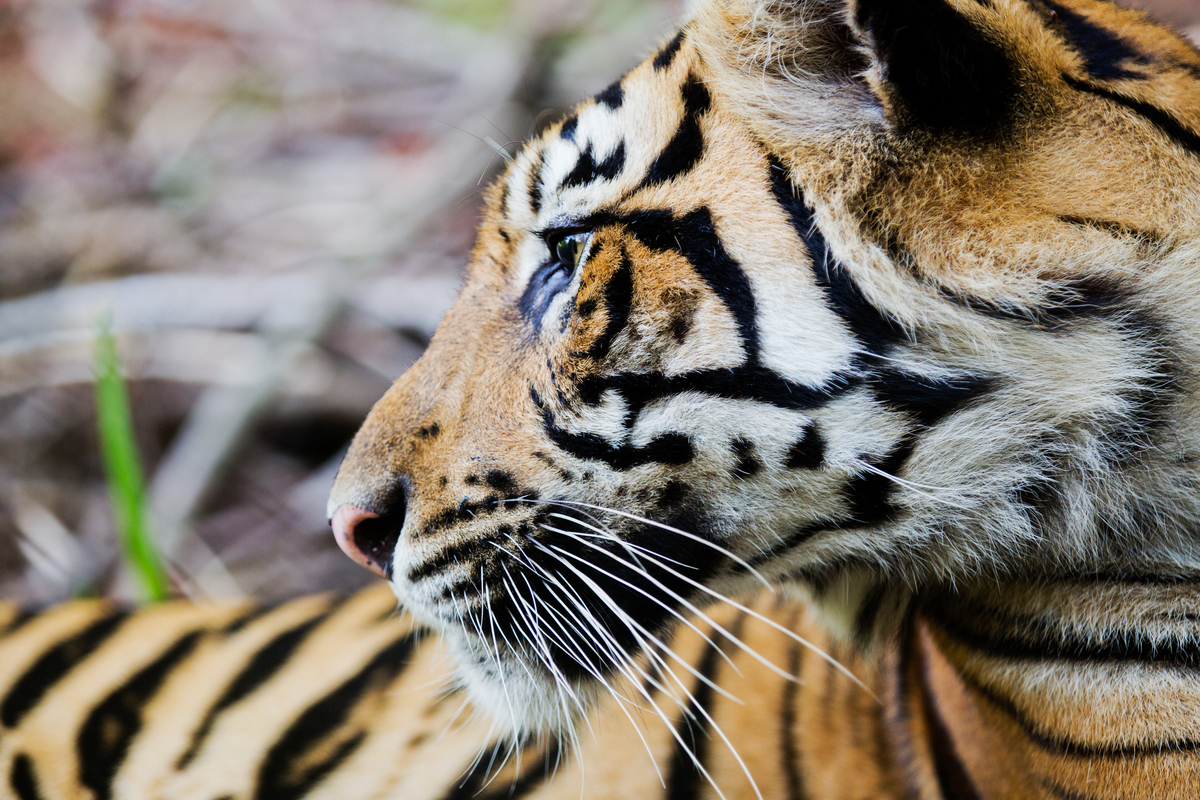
[{"x": 663, "y": 526}]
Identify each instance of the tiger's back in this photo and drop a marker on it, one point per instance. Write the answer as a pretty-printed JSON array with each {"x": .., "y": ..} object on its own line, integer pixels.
[
  {"x": 321, "y": 698},
  {"x": 336, "y": 699}
]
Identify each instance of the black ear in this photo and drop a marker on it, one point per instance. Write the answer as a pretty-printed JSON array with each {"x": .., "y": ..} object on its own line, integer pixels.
[{"x": 940, "y": 69}]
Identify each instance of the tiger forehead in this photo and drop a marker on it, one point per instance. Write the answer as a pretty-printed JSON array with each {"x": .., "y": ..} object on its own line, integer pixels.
[{"x": 602, "y": 152}]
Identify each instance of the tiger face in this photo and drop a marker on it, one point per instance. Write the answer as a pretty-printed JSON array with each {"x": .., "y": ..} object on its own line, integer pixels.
[{"x": 854, "y": 297}]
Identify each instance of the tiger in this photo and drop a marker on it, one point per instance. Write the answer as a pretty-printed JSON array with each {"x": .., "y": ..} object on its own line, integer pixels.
[{"x": 817, "y": 419}]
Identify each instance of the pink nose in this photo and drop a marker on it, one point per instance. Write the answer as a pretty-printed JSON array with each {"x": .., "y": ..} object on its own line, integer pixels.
[{"x": 366, "y": 537}]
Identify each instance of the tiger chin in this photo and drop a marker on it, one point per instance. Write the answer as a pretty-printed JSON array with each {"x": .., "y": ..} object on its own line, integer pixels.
[{"x": 870, "y": 300}]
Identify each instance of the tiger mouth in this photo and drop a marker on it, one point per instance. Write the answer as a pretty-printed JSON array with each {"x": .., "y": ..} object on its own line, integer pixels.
[{"x": 568, "y": 599}]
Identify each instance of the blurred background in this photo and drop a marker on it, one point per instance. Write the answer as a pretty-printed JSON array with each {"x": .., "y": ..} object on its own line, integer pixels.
[{"x": 270, "y": 203}]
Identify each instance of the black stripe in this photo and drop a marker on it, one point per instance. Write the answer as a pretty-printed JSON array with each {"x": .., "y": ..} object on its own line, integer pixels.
[
  {"x": 790, "y": 754},
  {"x": 869, "y": 494},
  {"x": 1055, "y": 644},
  {"x": 927, "y": 400},
  {"x": 1023, "y": 637},
  {"x": 868, "y": 614},
  {"x": 18, "y": 621},
  {"x": 1103, "y": 51},
  {"x": 475, "y": 785},
  {"x": 666, "y": 56},
  {"x": 613, "y": 96},
  {"x": 265, "y": 663},
  {"x": 289, "y": 772},
  {"x": 1158, "y": 117},
  {"x": 533, "y": 188},
  {"x": 242, "y": 620},
  {"x": 569, "y": 126},
  {"x": 875, "y": 330},
  {"x": 1064, "y": 303},
  {"x": 618, "y": 302},
  {"x": 53, "y": 665},
  {"x": 1063, "y": 793},
  {"x": 808, "y": 452},
  {"x": 755, "y": 383},
  {"x": 587, "y": 170},
  {"x": 793, "y": 539},
  {"x": 23, "y": 780},
  {"x": 468, "y": 510},
  {"x": 104, "y": 739},
  {"x": 748, "y": 464},
  {"x": 952, "y": 776},
  {"x": 945, "y": 72},
  {"x": 1119, "y": 230},
  {"x": 1066, "y": 746},
  {"x": 1136, "y": 578},
  {"x": 668, "y": 448},
  {"x": 683, "y": 779},
  {"x": 694, "y": 236},
  {"x": 453, "y": 553},
  {"x": 686, "y": 148}
]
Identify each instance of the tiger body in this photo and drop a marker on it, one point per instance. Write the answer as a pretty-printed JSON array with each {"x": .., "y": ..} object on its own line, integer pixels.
[
  {"x": 891, "y": 306},
  {"x": 321, "y": 699}
]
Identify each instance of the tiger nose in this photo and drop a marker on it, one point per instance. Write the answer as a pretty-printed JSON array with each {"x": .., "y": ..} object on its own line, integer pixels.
[{"x": 368, "y": 538}]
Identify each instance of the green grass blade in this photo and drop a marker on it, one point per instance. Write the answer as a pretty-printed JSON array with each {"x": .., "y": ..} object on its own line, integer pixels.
[{"x": 123, "y": 469}]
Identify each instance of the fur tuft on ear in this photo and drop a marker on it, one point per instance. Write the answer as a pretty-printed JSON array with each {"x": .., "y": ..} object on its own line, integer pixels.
[
  {"x": 937, "y": 68},
  {"x": 837, "y": 67}
]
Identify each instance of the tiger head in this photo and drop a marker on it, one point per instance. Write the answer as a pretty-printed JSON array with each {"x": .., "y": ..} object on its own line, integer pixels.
[{"x": 862, "y": 297}]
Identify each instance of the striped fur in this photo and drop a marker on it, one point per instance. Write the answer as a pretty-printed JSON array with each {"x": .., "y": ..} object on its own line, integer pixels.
[
  {"x": 321, "y": 699},
  {"x": 891, "y": 305}
]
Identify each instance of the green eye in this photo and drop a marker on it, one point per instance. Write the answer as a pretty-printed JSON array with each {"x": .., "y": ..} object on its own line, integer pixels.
[{"x": 569, "y": 250}]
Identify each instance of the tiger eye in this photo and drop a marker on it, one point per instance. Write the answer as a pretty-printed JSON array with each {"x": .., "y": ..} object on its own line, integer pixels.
[{"x": 569, "y": 250}]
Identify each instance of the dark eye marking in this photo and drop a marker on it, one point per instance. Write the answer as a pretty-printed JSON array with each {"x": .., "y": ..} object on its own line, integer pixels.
[{"x": 544, "y": 285}]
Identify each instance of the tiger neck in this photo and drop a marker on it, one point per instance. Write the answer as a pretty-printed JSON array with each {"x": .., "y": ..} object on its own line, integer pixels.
[{"x": 1080, "y": 689}]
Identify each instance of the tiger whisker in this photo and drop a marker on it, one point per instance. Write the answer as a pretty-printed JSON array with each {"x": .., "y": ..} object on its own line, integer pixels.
[
  {"x": 621, "y": 702},
  {"x": 599, "y": 592},
  {"x": 682, "y": 600},
  {"x": 628, "y": 547},
  {"x": 558, "y": 677},
  {"x": 646, "y": 634},
  {"x": 674, "y": 613},
  {"x": 542, "y": 650},
  {"x": 624, "y": 667},
  {"x": 512, "y": 712},
  {"x": 670, "y": 528},
  {"x": 598, "y": 528},
  {"x": 719, "y": 596},
  {"x": 918, "y": 488}
]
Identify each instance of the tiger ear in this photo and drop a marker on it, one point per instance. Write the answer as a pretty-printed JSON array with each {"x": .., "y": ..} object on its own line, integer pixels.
[
  {"x": 825, "y": 65},
  {"x": 938, "y": 63}
]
